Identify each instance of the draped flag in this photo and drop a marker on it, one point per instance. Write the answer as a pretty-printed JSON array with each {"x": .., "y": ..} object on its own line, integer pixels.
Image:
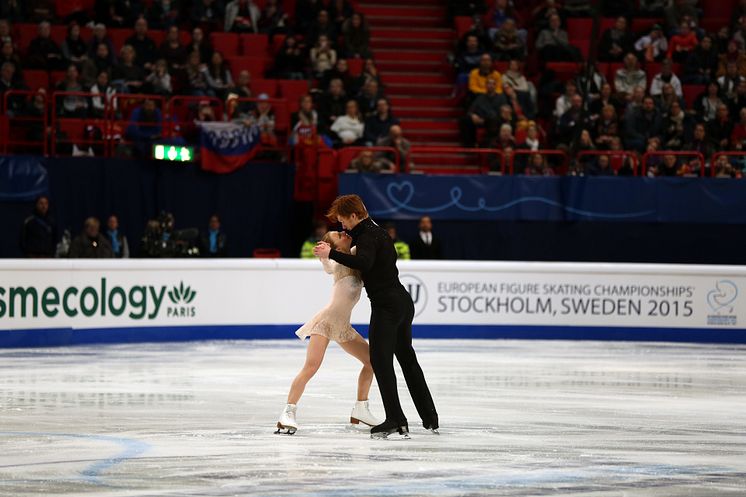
[{"x": 227, "y": 146}]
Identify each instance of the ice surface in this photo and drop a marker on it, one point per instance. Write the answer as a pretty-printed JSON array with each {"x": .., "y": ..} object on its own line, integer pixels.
[{"x": 518, "y": 418}]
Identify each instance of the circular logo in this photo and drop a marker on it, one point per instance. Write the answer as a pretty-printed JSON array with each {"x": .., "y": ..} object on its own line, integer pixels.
[{"x": 417, "y": 290}]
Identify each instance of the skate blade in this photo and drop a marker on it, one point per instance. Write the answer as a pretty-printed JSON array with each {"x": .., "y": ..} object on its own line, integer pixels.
[
  {"x": 285, "y": 430},
  {"x": 434, "y": 431},
  {"x": 390, "y": 436}
]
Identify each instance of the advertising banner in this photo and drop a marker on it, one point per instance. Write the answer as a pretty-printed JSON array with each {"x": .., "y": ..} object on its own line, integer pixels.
[{"x": 452, "y": 299}]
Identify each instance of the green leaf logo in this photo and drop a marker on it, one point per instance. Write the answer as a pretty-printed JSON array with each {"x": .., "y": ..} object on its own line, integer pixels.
[{"x": 181, "y": 294}]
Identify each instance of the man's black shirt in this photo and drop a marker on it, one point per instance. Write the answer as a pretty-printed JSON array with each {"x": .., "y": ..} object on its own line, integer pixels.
[{"x": 375, "y": 257}]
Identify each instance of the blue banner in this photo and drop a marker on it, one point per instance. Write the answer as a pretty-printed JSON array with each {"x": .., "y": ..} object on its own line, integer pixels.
[
  {"x": 570, "y": 198},
  {"x": 22, "y": 178}
]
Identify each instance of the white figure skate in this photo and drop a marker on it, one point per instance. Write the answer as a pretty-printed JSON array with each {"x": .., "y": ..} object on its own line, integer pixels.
[
  {"x": 361, "y": 414},
  {"x": 287, "y": 425}
]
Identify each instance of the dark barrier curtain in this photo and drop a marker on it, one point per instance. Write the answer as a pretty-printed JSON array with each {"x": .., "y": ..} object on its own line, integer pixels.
[{"x": 254, "y": 203}]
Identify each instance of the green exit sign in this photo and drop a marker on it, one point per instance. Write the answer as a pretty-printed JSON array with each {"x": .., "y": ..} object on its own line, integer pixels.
[{"x": 173, "y": 153}]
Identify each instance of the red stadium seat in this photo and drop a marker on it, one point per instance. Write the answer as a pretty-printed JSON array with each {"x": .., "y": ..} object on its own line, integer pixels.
[
  {"x": 718, "y": 8},
  {"x": 255, "y": 45},
  {"x": 463, "y": 25},
  {"x": 579, "y": 29},
  {"x": 583, "y": 45},
  {"x": 59, "y": 33},
  {"x": 24, "y": 33},
  {"x": 691, "y": 92},
  {"x": 641, "y": 26},
  {"x": 268, "y": 86},
  {"x": 355, "y": 66},
  {"x": 36, "y": 79},
  {"x": 277, "y": 42},
  {"x": 255, "y": 65},
  {"x": 226, "y": 43},
  {"x": 266, "y": 253},
  {"x": 119, "y": 37},
  {"x": 292, "y": 90},
  {"x": 55, "y": 77},
  {"x": 564, "y": 70}
]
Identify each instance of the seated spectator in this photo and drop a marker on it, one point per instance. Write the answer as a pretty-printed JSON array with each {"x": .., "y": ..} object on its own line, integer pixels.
[
  {"x": 319, "y": 230},
  {"x": 401, "y": 247},
  {"x": 145, "y": 127},
  {"x": 159, "y": 81},
  {"x": 629, "y": 77},
  {"x": 103, "y": 95},
  {"x": 242, "y": 86},
  {"x": 322, "y": 27},
  {"x": 738, "y": 136},
  {"x": 126, "y": 75},
  {"x": 724, "y": 169},
  {"x": 667, "y": 98},
  {"x": 678, "y": 12},
  {"x": 305, "y": 123},
  {"x": 524, "y": 88},
  {"x": 702, "y": 63},
  {"x": 478, "y": 77},
  {"x": 666, "y": 76},
  {"x": 289, "y": 61},
  {"x": 668, "y": 167},
  {"x": 469, "y": 57},
  {"x": 377, "y": 125},
  {"x": 682, "y": 44},
  {"x": 568, "y": 122},
  {"x": 218, "y": 76},
  {"x": 498, "y": 15},
  {"x": 102, "y": 58},
  {"x": 503, "y": 141},
  {"x": 366, "y": 162},
  {"x": 74, "y": 49},
  {"x": 732, "y": 54},
  {"x": 606, "y": 97},
  {"x": 323, "y": 57},
  {"x": 531, "y": 139},
  {"x": 341, "y": 71},
  {"x": 653, "y": 7},
  {"x": 645, "y": 123},
  {"x": 538, "y": 166},
  {"x": 367, "y": 101},
  {"x": 653, "y": 46},
  {"x": 263, "y": 116},
  {"x": 196, "y": 73},
  {"x": 39, "y": 231},
  {"x": 333, "y": 104},
  {"x": 701, "y": 143},
  {"x": 340, "y": 11},
  {"x": 706, "y": 104},
  {"x": 242, "y": 16},
  {"x": 214, "y": 243},
  {"x": 91, "y": 244},
  {"x": 8, "y": 82},
  {"x": 370, "y": 73},
  {"x": 164, "y": 14},
  {"x": 395, "y": 139},
  {"x": 349, "y": 127},
  {"x": 172, "y": 51},
  {"x": 720, "y": 129},
  {"x": 635, "y": 103},
  {"x": 616, "y": 42},
  {"x": 543, "y": 12},
  {"x": 589, "y": 81},
  {"x": 114, "y": 13},
  {"x": 583, "y": 143},
  {"x": 144, "y": 46},
  {"x": 484, "y": 112},
  {"x": 356, "y": 37},
  {"x": 199, "y": 44},
  {"x": 601, "y": 166},
  {"x": 607, "y": 127},
  {"x": 553, "y": 43},
  {"x": 508, "y": 44},
  {"x": 729, "y": 81},
  {"x": 43, "y": 52},
  {"x": 8, "y": 54},
  {"x": 676, "y": 127},
  {"x": 207, "y": 13},
  {"x": 100, "y": 37},
  {"x": 738, "y": 102},
  {"x": 71, "y": 105},
  {"x": 519, "y": 112},
  {"x": 119, "y": 246},
  {"x": 564, "y": 101},
  {"x": 273, "y": 19}
]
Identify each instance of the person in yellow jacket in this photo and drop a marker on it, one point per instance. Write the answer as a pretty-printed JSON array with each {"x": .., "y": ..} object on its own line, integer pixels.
[
  {"x": 319, "y": 230},
  {"x": 402, "y": 249},
  {"x": 478, "y": 77}
]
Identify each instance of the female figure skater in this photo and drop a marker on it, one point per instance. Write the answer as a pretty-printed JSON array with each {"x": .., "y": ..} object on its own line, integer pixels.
[{"x": 333, "y": 323}]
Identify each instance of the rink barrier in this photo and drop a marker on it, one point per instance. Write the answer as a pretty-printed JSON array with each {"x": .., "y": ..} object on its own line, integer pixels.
[{"x": 71, "y": 302}]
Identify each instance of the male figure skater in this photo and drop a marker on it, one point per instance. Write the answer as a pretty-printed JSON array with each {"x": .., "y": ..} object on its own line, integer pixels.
[{"x": 392, "y": 311}]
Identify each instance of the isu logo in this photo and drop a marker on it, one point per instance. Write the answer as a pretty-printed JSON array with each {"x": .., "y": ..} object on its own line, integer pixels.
[{"x": 417, "y": 290}]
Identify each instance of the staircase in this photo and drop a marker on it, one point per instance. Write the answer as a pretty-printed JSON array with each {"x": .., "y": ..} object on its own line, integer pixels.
[{"x": 410, "y": 40}]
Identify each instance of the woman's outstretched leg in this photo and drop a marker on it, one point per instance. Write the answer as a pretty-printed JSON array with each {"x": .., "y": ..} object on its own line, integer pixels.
[
  {"x": 358, "y": 348},
  {"x": 314, "y": 357}
]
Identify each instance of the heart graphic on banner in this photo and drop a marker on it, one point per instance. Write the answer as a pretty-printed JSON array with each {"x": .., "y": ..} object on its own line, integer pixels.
[
  {"x": 400, "y": 193},
  {"x": 724, "y": 294}
]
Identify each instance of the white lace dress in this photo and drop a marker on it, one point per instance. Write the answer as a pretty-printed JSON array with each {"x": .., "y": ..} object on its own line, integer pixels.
[{"x": 333, "y": 321}]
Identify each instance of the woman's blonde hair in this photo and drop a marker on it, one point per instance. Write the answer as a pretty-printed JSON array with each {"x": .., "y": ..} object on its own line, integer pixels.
[{"x": 328, "y": 239}]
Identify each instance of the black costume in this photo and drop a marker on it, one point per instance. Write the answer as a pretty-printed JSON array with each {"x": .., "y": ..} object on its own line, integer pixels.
[{"x": 391, "y": 317}]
